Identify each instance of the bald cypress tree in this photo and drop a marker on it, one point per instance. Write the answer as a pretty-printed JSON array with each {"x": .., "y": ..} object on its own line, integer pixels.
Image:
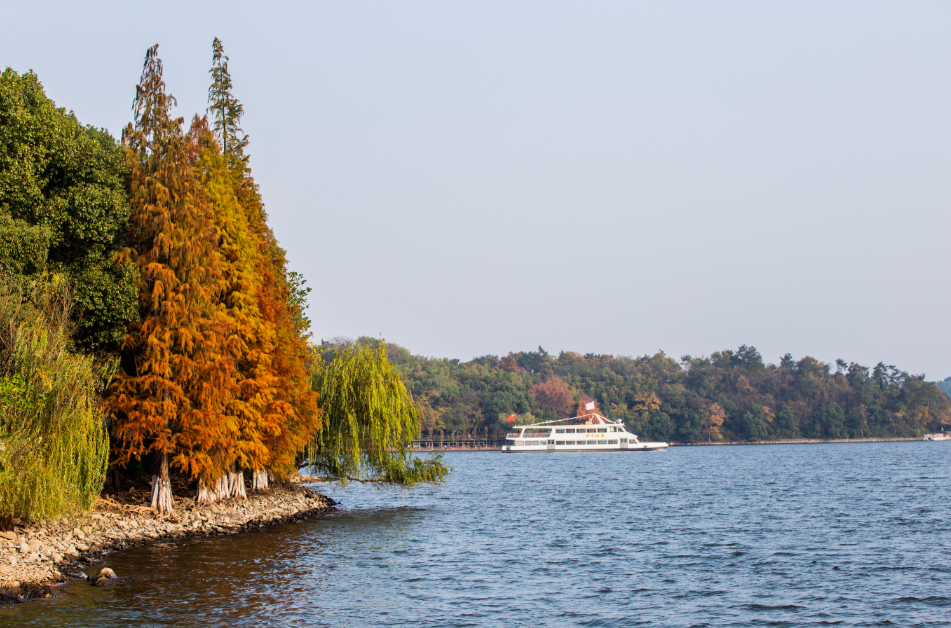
[
  {"x": 250, "y": 339},
  {"x": 170, "y": 396},
  {"x": 275, "y": 413}
]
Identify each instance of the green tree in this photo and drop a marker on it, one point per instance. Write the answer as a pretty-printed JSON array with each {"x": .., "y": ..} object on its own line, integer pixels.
[
  {"x": 788, "y": 422},
  {"x": 506, "y": 397},
  {"x": 64, "y": 207},
  {"x": 754, "y": 424},
  {"x": 945, "y": 386},
  {"x": 835, "y": 421},
  {"x": 225, "y": 110}
]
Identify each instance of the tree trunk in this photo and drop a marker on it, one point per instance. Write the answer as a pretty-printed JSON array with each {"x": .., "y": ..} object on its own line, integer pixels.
[
  {"x": 205, "y": 494},
  {"x": 162, "y": 501},
  {"x": 221, "y": 488},
  {"x": 236, "y": 482},
  {"x": 259, "y": 480}
]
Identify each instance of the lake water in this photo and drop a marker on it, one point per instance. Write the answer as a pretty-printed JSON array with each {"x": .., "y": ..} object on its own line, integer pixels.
[{"x": 786, "y": 535}]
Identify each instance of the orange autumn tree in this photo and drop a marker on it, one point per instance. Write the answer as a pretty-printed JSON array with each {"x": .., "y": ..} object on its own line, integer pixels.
[
  {"x": 275, "y": 413},
  {"x": 169, "y": 397},
  {"x": 712, "y": 418},
  {"x": 249, "y": 339},
  {"x": 292, "y": 414},
  {"x": 215, "y": 375}
]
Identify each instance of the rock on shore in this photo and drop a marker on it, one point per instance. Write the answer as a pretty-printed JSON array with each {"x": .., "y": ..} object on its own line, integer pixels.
[{"x": 34, "y": 558}]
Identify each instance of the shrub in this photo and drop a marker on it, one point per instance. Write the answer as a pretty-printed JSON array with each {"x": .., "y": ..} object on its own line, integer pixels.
[{"x": 53, "y": 442}]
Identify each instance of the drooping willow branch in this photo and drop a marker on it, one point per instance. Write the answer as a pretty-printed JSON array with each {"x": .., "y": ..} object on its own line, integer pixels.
[{"x": 369, "y": 420}]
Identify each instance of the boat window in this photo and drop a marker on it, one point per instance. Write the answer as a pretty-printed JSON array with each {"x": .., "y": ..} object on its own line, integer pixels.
[
  {"x": 559, "y": 431},
  {"x": 612, "y": 442},
  {"x": 623, "y": 440},
  {"x": 602, "y": 429},
  {"x": 569, "y": 442},
  {"x": 559, "y": 442},
  {"x": 570, "y": 430},
  {"x": 536, "y": 433}
]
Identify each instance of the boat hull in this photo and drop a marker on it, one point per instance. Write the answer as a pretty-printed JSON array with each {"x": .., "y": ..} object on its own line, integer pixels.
[{"x": 554, "y": 449}]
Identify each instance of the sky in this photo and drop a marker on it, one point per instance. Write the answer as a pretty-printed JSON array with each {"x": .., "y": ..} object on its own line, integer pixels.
[{"x": 471, "y": 178}]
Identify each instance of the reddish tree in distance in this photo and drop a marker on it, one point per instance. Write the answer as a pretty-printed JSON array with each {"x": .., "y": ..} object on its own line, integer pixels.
[
  {"x": 554, "y": 395},
  {"x": 510, "y": 364}
]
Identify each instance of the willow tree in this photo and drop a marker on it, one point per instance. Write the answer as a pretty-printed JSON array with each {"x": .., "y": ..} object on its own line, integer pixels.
[
  {"x": 369, "y": 421},
  {"x": 170, "y": 395}
]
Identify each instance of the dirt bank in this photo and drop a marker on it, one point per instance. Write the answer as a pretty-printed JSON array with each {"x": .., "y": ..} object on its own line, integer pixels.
[{"x": 34, "y": 558}]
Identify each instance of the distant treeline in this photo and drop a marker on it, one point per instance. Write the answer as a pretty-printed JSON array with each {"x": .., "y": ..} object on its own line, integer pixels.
[
  {"x": 732, "y": 394},
  {"x": 945, "y": 386}
]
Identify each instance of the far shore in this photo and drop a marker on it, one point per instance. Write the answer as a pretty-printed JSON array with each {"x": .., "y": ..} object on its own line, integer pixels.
[
  {"x": 798, "y": 441},
  {"x": 481, "y": 446}
]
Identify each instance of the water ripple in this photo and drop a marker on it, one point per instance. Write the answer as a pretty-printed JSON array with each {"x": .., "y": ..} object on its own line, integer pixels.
[{"x": 838, "y": 535}]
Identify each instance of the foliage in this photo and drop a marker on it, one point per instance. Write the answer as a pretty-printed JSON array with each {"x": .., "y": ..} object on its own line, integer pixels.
[
  {"x": 696, "y": 399},
  {"x": 53, "y": 444},
  {"x": 215, "y": 374},
  {"x": 713, "y": 417},
  {"x": 23, "y": 247},
  {"x": 225, "y": 110},
  {"x": 64, "y": 207},
  {"x": 945, "y": 386},
  {"x": 369, "y": 420},
  {"x": 249, "y": 339},
  {"x": 299, "y": 290},
  {"x": 275, "y": 376},
  {"x": 170, "y": 396},
  {"x": 553, "y": 397}
]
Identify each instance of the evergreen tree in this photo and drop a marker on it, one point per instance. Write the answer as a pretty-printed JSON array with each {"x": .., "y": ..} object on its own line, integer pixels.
[{"x": 225, "y": 109}]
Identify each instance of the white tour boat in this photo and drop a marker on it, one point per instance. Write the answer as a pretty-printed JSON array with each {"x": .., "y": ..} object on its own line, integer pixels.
[{"x": 587, "y": 432}]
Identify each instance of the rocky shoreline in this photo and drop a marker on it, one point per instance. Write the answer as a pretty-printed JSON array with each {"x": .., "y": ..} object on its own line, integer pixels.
[{"x": 35, "y": 558}]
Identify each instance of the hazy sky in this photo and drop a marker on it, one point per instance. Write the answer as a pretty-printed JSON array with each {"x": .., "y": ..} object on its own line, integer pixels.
[{"x": 467, "y": 178}]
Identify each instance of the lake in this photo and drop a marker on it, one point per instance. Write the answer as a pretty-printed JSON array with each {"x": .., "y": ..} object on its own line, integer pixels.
[{"x": 783, "y": 535}]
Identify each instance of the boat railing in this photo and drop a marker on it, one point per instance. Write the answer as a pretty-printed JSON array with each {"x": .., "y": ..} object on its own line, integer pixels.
[
  {"x": 581, "y": 419},
  {"x": 436, "y": 444}
]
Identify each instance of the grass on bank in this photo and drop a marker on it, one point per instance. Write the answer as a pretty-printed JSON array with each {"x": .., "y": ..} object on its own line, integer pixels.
[{"x": 54, "y": 447}]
